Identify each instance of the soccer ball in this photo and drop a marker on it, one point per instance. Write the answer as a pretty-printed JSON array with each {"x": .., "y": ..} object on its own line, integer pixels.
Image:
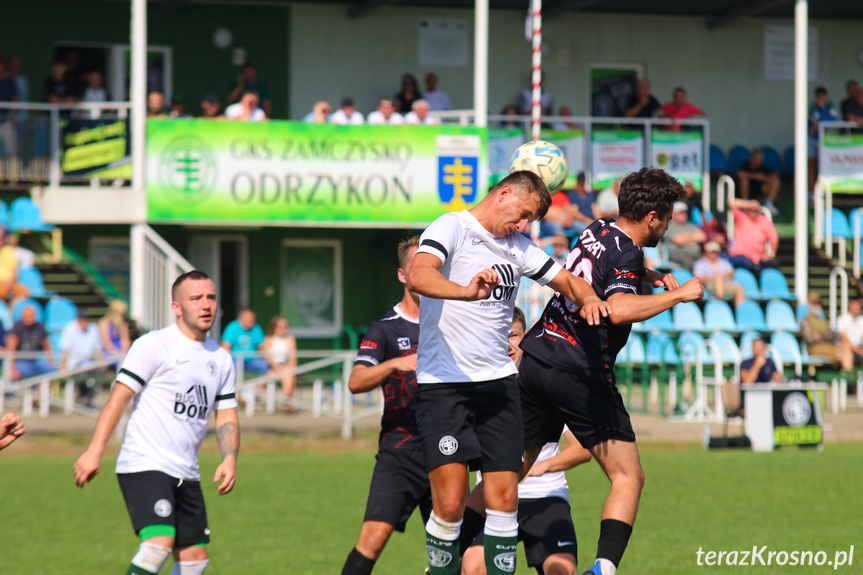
[{"x": 543, "y": 159}]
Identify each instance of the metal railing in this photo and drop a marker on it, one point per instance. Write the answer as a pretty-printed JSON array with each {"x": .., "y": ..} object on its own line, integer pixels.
[{"x": 836, "y": 273}]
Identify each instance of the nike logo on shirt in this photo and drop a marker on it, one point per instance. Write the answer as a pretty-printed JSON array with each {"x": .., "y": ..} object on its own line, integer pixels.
[
  {"x": 475, "y": 242},
  {"x": 564, "y": 543},
  {"x": 182, "y": 362}
]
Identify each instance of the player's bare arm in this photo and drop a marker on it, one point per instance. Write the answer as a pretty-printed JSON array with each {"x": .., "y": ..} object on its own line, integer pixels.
[
  {"x": 89, "y": 464},
  {"x": 367, "y": 377},
  {"x": 11, "y": 428},
  {"x": 661, "y": 279},
  {"x": 425, "y": 279},
  {"x": 581, "y": 294},
  {"x": 574, "y": 454},
  {"x": 631, "y": 308},
  {"x": 228, "y": 437}
]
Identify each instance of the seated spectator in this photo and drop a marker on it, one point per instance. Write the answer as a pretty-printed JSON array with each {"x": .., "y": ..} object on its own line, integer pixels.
[
  {"x": 178, "y": 107},
  {"x": 280, "y": 349},
  {"x": 850, "y": 328},
  {"x": 409, "y": 93},
  {"x": 511, "y": 119},
  {"x": 26, "y": 258},
  {"x": 246, "y": 110},
  {"x": 210, "y": 107},
  {"x": 756, "y": 180},
  {"x": 851, "y": 88},
  {"x": 114, "y": 330},
  {"x": 754, "y": 235},
  {"x": 156, "y": 105},
  {"x": 683, "y": 238},
  {"x": 248, "y": 81},
  {"x": 80, "y": 344},
  {"x": 565, "y": 124},
  {"x": 438, "y": 99},
  {"x": 759, "y": 368},
  {"x": 558, "y": 219},
  {"x": 95, "y": 92},
  {"x": 642, "y": 104},
  {"x": 583, "y": 205},
  {"x": 821, "y": 110},
  {"x": 58, "y": 89},
  {"x": 556, "y": 246},
  {"x": 347, "y": 114},
  {"x": 606, "y": 201},
  {"x": 320, "y": 113},
  {"x": 420, "y": 114},
  {"x": 10, "y": 289},
  {"x": 820, "y": 339},
  {"x": 852, "y": 109},
  {"x": 717, "y": 274},
  {"x": 385, "y": 114},
  {"x": 680, "y": 109},
  {"x": 28, "y": 335},
  {"x": 245, "y": 335}
]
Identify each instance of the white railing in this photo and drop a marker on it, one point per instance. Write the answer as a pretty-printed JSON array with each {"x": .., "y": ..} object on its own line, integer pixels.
[
  {"x": 725, "y": 191},
  {"x": 154, "y": 267},
  {"x": 838, "y": 272}
]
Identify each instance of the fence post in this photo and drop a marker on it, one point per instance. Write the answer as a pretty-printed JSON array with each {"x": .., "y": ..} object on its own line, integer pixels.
[
  {"x": 44, "y": 398},
  {"x": 317, "y": 397},
  {"x": 834, "y": 395},
  {"x": 271, "y": 396},
  {"x": 337, "y": 396},
  {"x": 843, "y": 394},
  {"x": 28, "y": 400},
  {"x": 69, "y": 397},
  {"x": 348, "y": 412}
]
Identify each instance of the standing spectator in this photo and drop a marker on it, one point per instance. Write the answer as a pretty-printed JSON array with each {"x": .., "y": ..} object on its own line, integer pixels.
[
  {"x": 853, "y": 111},
  {"x": 438, "y": 99},
  {"x": 822, "y": 110},
  {"x": 8, "y": 93},
  {"x": 246, "y": 110},
  {"x": 755, "y": 232},
  {"x": 248, "y": 82},
  {"x": 58, "y": 90},
  {"x": 28, "y": 335},
  {"x": 525, "y": 100},
  {"x": 683, "y": 238},
  {"x": 852, "y": 89},
  {"x": 717, "y": 274},
  {"x": 114, "y": 329},
  {"x": 642, "y": 104},
  {"x": 583, "y": 204},
  {"x": 280, "y": 349},
  {"x": 320, "y": 113},
  {"x": 80, "y": 344},
  {"x": 850, "y": 328},
  {"x": 820, "y": 339},
  {"x": 385, "y": 114},
  {"x": 22, "y": 84},
  {"x": 210, "y": 107},
  {"x": 408, "y": 94},
  {"x": 347, "y": 114},
  {"x": 156, "y": 105},
  {"x": 679, "y": 108},
  {"x": 759, "y": 368},
  {"x": 95, "y": 92},
  {"x": 420, "y": 114},
  {"x": 178, "y": 107},
  {"x": 245, "y": 335},
  {"x": 10, "y": 289},
  {"x": 757, "y": 180},
  {"x": 606, "y": 201}
]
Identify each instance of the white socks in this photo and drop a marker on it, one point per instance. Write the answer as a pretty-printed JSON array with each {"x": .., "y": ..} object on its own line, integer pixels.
[
  {"x": 151, "y": 557},
  {"x": 501, "y": 523},
  {"x": 444, "y": 530},
  {"x": 189, "y": 567}
]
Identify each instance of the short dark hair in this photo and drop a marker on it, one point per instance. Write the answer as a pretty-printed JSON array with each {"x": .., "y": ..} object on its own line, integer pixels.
[
  {"x": 404, "y": 247},
  {"x": 820, "y": 90},
  {"x": 525, "y": 182},
  {"x": 192, "y": 275},
  {"x": 518, "y": 317},
  {"x": 647, "y": 190}
]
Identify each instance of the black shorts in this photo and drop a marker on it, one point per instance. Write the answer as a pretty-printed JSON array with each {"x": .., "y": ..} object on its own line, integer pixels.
[
  {"x": 551, "y": 397},
  {"x": 400, "y": 484},
  {"x": 545, "y": 526},
  {"x": 155, "y": 498},
  {"x": 475, "y": 422}
]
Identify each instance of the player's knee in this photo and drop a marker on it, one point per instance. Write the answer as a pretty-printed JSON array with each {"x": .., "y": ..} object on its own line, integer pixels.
[
  {"x": 373, "y": 539},
  {"x": 473, "y": 562},
  {"x": 503, "y": 498},
  {"x": 193, "y": 553},
  {"x": 559, "y": 565}
]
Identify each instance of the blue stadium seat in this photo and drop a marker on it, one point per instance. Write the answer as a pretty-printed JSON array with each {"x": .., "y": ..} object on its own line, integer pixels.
[
  {"x": 737, "y": 157},
  {"x": 728, "y": 349},
  {"x": 19, "y": 307},
  {"x": 788, "y": 165},
  {"x": 690, "y": 341},
  {"x": 719, "y": 317},
  {"x": 746, "y": 279},
  {"x": 839, "y": 225},
  {"x": 746, "y": 343},
  {"x": 749, "y": 316},
  {"x": 59, "y": 311},
  {"x": 802, "y": 311},
  {"x": 687, "y": 317},
  {"x": 5, "y": 316},
  {"x": 771, "y": 158},
  {"x": 787, "y": 346},
  {"x": 26, "y": 216},
  {"x": 31, "y": 278},
  {"x": 660, "y": 349},
  {"x": 856, "y": 214},
  {"x": 774, "y": 285},
  {"x": 682, "y": 275},
  {"x": 717, "y": 159},
  {"x": 633, "y": 352},
  {"x": 4, "y": 214},
  {"x": 660, "y": 322},
  {"x": 780, "y": 317}
]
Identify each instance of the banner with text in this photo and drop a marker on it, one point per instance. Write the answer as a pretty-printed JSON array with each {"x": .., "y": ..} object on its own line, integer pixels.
[
  {"x": 840, "y": 162},
  {"x": 503, "y": 142},
  {"x": 306, "y": 174},
  {"x": 96, "y": 148},
  {"x": 614, "y": 153},
  {"x": 681, "y": 154}
]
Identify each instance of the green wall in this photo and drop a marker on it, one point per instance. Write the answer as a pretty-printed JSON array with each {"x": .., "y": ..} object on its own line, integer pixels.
[{"x": 32, "y": 28}]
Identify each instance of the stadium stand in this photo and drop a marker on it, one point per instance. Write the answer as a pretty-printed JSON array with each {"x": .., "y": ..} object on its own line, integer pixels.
[
  {"x": 780, "y": 317},
  {"x": 689, "y": 343},
  {"x": 788, "y": 165},
  {"x": 717, "y": 159},
  {"x": 19, "y": 307},
  {"x": 774, "y": 285},
  {"x": 728, "y": 349},
  {"x": 687, "y": 317},
  {"x": 661, "y": 349},
  {"x": 25, "y": 216},
  {"x": 738, "y": 156},
  {"x": 749, "y": 316},
  {"x": 771, "y": 158},
  {"x": 719, "y": 317},
  {"x": 31, "y": 278},
  {"x": 746, "y": 279},
  {"x": 59, "y": 311}
]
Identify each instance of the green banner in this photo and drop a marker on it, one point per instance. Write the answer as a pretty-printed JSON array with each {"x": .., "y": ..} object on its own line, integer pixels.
[
  {"x": 307, "y": 174},
  {"x": 614, "y": 153},
  {"x": 840, "y": 162},
  {"x": 681, "y": 154}
]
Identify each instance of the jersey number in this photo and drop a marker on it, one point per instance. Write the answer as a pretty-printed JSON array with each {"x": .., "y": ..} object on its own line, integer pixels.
[{"x": 582, "y": 269}]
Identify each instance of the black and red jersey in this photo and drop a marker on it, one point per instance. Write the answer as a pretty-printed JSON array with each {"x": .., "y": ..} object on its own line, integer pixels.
[
  {"x": 606, "y": 258},
  {"x": 394, "y": 335}
]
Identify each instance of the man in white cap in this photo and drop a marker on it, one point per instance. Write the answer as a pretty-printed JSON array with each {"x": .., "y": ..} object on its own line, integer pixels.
[{"x": 683, "y": 238}]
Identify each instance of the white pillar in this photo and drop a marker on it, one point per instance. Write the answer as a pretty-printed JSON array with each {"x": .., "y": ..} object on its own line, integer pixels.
[
  {"x": 480, "y": 64},
  {"x": 801, "y": 185},
  {"x": 138, "y": 95}
]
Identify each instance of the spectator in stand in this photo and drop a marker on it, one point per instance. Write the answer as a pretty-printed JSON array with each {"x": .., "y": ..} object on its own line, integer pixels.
[
  {"x": 58, "y": 90},
  {"x": 210, "y": 107},
  {"x": 25, "y": 258},
  {"x": 94, "y": 93},
  {"x": 565, "y": 124},
  {"x": 10, "y": 289},
  {"x": 755, "y": 232},
  {"x": 114, "y": 330},
  {"x": 850, "y": 328},
  {"x": 156, "y": 105},
  {"x": 248, "y": 82},
  {"x": 22, "y": 84},
  {"x": 280, "y": 349},
  {"x": 420, "y": 114},
  {"x": 820, "y": 339},
  {"x": 759, "y": 368},
  {"x": 245, "y": 335},
  {"x": 178, "y": 107},
  {"x": 347, "y": 114},
  {"x": 74, "y": 76},
  {"x": 511, "y": 120},
  {"x": 8, "y": 93},
  {"x": 679, "y": 108},
  {"x": 583, "y": 205},
  {"x": 438, "y": 99},
  {"x": 717, "y": 274},
  {"x": 409, "y": 93},
  {"x": 642, "y": 104},
  {"x": 80, "y": 344},
  {"x": 854, "y": 110},
  {"x": 852, "y": 89},
  {"x": 757, "y": 180},
  {"x": 683, "y": 238},
  {"x": 606, "y": 201},
  {"x": 525, "y": 100},
  {"x": 246, "y": 110},
  {"x": 385, "y": 114},
  {"x": 28, "y": 335},
  {"x": 320, "y": 113},
  {"x": 822, "y": 110},
  {"x": 693, "y": 201}
]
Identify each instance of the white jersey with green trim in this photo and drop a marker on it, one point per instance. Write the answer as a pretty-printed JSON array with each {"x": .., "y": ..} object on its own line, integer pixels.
[{"x": 178, "y": 382}]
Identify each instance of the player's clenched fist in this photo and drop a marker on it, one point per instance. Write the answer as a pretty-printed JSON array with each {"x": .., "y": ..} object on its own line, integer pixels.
[
  {"x": 482, "y": 284},
  {"x": 11, "y": 428},
  {"x": 692, "y": 290}
]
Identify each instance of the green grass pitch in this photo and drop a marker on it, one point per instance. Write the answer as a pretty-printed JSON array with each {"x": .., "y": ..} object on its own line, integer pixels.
[{"x": 300, "y": 512}]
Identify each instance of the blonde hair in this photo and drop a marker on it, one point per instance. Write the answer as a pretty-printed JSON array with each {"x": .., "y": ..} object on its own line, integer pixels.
[{"x": 117, "y": 313}]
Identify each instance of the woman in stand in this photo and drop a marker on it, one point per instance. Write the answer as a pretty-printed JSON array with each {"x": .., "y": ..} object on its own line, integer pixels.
[
  {"x": 114, "y": 330},
  {"x": 280, "y": 349}
]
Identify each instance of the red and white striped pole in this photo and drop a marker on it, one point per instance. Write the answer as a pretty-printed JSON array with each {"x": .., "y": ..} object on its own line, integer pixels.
[{"x": 536, "y": 108}]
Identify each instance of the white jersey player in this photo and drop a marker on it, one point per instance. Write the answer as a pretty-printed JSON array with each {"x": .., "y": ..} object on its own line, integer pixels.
[{"x": 177, "y": 377}]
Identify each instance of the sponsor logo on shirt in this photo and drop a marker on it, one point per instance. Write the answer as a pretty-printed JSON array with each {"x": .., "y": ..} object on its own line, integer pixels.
[
  {"x": 625, "y": 274},
  {"x": 211, "y": 368},
  {"x": 404, "y": 343},
  {"x": 368, "y": 344},
  {"x": 591, "y": 244},
  {"x": 193, "y": 404},
  {"x": 506, "y": 289},
  {"x": 631, "y": 288},
  {"x": 552, "y": 330}
]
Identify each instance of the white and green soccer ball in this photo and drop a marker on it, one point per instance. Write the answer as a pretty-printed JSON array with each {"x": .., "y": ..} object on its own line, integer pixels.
[{"x": 543, "y": 159}]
